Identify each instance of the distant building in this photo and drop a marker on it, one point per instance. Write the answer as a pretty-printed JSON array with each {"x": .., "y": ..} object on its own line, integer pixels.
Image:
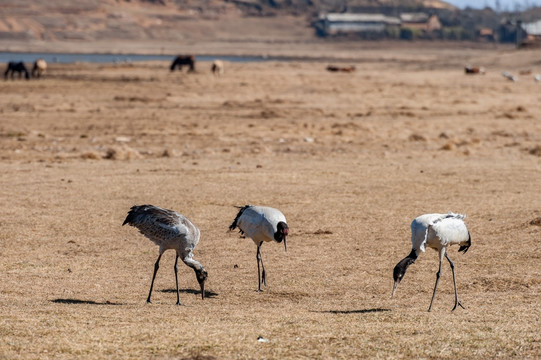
[
  {"x": 532, "y": 28},
  {"x": 347, "y": 23},
  {"x": 414, "y": 19},
  {"x": 486, "y": 34},
  {"x": 532, "y": 33},
  {"x": 421, "y": 21}
]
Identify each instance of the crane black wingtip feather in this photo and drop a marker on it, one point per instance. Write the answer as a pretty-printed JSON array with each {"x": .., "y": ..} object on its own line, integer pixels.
[
  {"x": 129, "y": 218},
  {"x": 234, "y": 224},
  {"x": 131, "y": 214}
]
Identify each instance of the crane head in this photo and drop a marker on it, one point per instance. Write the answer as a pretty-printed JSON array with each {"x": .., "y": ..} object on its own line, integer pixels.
[
  {"x": 398, "y": 274},
  {"x": 201, "y": 275},
  {"x": 464, "y": 246},
  {"x": 282, "y": 233},
  {"x": 400, "y": 269}
]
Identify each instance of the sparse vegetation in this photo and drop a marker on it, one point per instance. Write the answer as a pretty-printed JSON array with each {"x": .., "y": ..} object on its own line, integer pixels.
[{"x": 73, "y": 282}]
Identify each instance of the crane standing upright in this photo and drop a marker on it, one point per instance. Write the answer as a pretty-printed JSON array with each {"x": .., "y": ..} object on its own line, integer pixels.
[{"x": 261, "y": 224}]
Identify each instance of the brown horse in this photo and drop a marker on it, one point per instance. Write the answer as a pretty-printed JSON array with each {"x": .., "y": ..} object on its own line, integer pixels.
[
  {"x": 474, "y": 70},
  {"x": 39, "y": 68},
  {"x": 182, "y": 60},
  {"x": 217, "y": 67}
]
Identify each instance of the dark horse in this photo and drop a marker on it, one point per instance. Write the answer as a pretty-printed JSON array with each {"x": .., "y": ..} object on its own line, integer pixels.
[
  {"x": 16, "y": 67},
  {"x": 182, "y": 60}
]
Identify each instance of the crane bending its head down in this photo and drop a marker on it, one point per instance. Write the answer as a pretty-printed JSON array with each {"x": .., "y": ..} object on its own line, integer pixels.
[
  {"x": 437, "y": 231},
  {"x": 169, "y": 230}
]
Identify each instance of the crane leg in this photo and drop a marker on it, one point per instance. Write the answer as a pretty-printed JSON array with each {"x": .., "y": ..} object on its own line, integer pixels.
[
  {"x": 176, "y": 280},
  {"x": 258, "y": 256},
  {"x": 437, "y": 280},
  {"x": 457, "y": 302},
  {"x": 263, "y": 273},
  {"x": 156, "y": 267}
]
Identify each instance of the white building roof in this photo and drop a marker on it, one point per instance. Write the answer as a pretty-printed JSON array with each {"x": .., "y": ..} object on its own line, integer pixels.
[
  {"x": 414, "y": 17},
  {"x": 533, "y": 28},
  {"x": 364, "y": 18}
]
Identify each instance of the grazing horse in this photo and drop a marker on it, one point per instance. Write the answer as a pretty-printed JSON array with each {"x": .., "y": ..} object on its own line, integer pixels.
[
  {"x": 217, "y": 67},
  {"x": 16, "y": 67},
  {"x": 39, "y": 68},
  {"x": 182, "y": 60}
]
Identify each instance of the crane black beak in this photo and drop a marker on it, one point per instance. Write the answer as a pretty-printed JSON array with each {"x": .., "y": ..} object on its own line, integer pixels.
[
  {"x": 202, "y": 290},
  {"x": 285, "y": 243}
]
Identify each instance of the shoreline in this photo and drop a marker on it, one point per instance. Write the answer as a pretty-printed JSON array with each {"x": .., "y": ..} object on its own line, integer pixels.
[
  {"x": 316, "y": 47},
  {"x": 389, "y": 53}
]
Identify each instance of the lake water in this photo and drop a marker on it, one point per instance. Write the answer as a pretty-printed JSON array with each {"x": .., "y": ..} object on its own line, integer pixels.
[{"x": 110, "y": 58}]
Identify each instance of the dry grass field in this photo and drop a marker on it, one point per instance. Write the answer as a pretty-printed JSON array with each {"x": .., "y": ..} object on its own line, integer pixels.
[{"x": 350, "y": 159}]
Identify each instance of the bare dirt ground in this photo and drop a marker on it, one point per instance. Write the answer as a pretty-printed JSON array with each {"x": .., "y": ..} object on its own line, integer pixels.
[{"x": 350, "y": 159}]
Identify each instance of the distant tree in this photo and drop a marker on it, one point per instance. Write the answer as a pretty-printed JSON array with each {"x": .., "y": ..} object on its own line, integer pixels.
[
  {"x": 507, "y": 32},
  {"x": 452, "y": 33},
  {"x": 406, "y": 34},
  {"x": 392, "y": 33},
  {"x": 498, "y": 6}
]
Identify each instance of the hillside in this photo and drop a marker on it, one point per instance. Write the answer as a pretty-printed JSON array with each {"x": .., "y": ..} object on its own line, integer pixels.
[{"x": 126, "y": 25}]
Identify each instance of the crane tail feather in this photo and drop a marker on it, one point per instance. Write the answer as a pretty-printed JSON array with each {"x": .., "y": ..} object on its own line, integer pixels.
[
  {"x": 132, "y": 215},
  {"x": 235, "y": 222}
]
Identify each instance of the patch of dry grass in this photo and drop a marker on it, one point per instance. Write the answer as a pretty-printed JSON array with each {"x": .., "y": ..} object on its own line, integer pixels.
[{"x": 74, "y": 282}]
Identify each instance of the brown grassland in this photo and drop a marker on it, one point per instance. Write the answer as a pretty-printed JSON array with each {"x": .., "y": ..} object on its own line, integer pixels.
[{"x": 350, "y": 159}]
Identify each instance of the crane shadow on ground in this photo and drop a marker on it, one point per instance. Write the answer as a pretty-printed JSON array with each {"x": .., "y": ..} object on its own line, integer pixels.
[
  {"x": 84, "y": 302},
  {"x": 208, "y": 293},
  {"x": 360, "y": 311}
]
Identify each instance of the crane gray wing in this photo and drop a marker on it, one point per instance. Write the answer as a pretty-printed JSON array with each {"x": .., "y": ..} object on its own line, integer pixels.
[{"x": 156, "y": 223}]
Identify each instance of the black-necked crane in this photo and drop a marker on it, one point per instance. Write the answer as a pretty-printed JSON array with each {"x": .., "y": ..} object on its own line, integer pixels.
[
  {"x": 169, "y": 230},
  {"x": 436, "y": 231},
  {"x": 261, "y": 224}
]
